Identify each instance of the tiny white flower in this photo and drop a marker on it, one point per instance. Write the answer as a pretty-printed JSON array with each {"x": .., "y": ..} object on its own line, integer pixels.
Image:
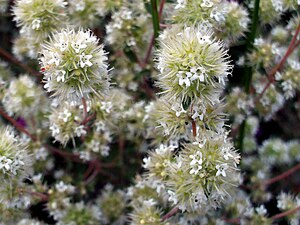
[
  {"x": 106, "y": 106},
  {"x": 226, "y": 153},
  {"x": 207, "y": 3},
  {"x": 62, "y": 45},
  {"x": 104, "y": 150},
  {"x": 261, "y": 210},
  {"x": 80, "y": 131},
  {"x": 61, "y": 187},
  {"x": 278, "y": 5},
  {"x": 180, "y": 4},
  {"x": 55, "y": 130},
  {"x": 178, "y": 109},
  {"x": 278, "y": 76},
  {"x": 78, "y": 45},
  {"x": 184, "y": 78},
  {"x": 36, "y": 23},
  {"x": 197, "y": 158},
  {"x": 150, "y": 202},
  {"x": 94, "y": 145},
  {"x": 55, "y": 58},
  {"x": 198, "y": 73},
  {"x": 85, "y": 60},
  {"x": 65, "y": 115},
  {"x": 172, "y": 197},
  {"x": 221, "y": 169},
  {"x": 147, "y": 162},
  {"x": 60, "y": 76}
]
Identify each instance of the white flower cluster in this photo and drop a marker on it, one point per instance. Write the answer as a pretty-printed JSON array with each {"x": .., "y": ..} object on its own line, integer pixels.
[
  {"x": 23, "y": 97},
  {"x": 200, "y": 171},
  {"x": 98, "y": 142},
  {"x": 42, "y": 16},
  {"x": 74, "y": 65},
  {"x": 84, "y": 13},
  {"x": 271, "y": 10},
  {"x": 275, "y": 151},
  {"x": 198, "y": 164},
  {"x": 65, "y": 123},
  {"x": 289, "y": 78},
  {"x": 217, "y": 14},
  {"x": 15, "y": 161},
  {"x": 112, "y": 204},
  {"x": 192, "y": 64},
  {"x": 37, "y": 19},
  {"x": 120, "y": 32},
  {"x": 289, "y": 202}
]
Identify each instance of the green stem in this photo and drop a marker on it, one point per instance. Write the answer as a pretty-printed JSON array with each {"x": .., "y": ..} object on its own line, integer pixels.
[
  {"x": 155, "y": 18},
  {"x": 249, "y": 45},
  {"x": 248, "y": 70}
]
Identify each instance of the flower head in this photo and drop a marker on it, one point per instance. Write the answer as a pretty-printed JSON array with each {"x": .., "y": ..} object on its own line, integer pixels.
[
  {"x": 15, "y": 161},
  {"x": 192, "y": 64},
  {"x": 74, "y": 65}
]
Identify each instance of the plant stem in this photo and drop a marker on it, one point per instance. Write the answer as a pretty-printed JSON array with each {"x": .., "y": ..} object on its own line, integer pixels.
[
  {"x": 17, "y": 125},
  {"x": 248, "y": 70},
  {"x": 155, "y": 19},
  {"x": 148, "y": 54},
  {"x": 283, "y": 214},
  {"x": 9, "y": 57},
  {"x": 171, "y": 213},
  {"x": 283, "y": 175},
  {"x": 292, "y": 46}
]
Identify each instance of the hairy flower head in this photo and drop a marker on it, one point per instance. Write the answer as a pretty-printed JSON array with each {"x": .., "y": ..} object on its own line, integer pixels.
[
  {"x": 192, "y": 64},
  {"x": 65, "y": 123},
  {"x": 74, "y": 65},
  {"x": 23, "y": 96},
  {"x": 197, "y": 173},
  {"x": 39, "y": 17},
  {"x": 15, "y": 162}
]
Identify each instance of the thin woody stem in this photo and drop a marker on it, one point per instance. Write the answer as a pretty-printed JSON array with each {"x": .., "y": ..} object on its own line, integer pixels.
[
  {"x": 50, "y": 148},
  {"x": 292, "y": 46},
  {"x": 42, "y": 196},
  {"x": 275, "y": 217},
  {"x": 84, "y": 107},
  {"x": 171, "y": 213},
  {"x": 152, "y": 41},
  {"x": 17, "y": 125},
  {"x": 9, "y": 57},
  {"x": 194, "y": 128},
  {"x": 274, "y": 179},
  {"x": 283, "y": 175},
  {"x": 283, "y": 214}
]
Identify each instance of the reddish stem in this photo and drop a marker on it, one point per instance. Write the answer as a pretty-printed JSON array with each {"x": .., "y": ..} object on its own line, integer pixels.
[
  {"x": 275, "y": 217},
  {"x": 84, "y": 107},
  {"x": 171, "y": 213},
  {"x": 17, "y": 125},
  {"x": 194, "y": 128},
  {"x": 151, "y": 44},
  {"x": 289, "y": 212},
  {"x": 88, "y": 118},
  {"x": 52, "y": 149},
  {"x": 97, "y": 169},
  {"x": 42, "y": 196},
  {"x": 283, "y": 175},
  {"x": 89, "y": 170},
  {"x": 9, "y": 57},
  {"x": 292, "y": 46}
]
